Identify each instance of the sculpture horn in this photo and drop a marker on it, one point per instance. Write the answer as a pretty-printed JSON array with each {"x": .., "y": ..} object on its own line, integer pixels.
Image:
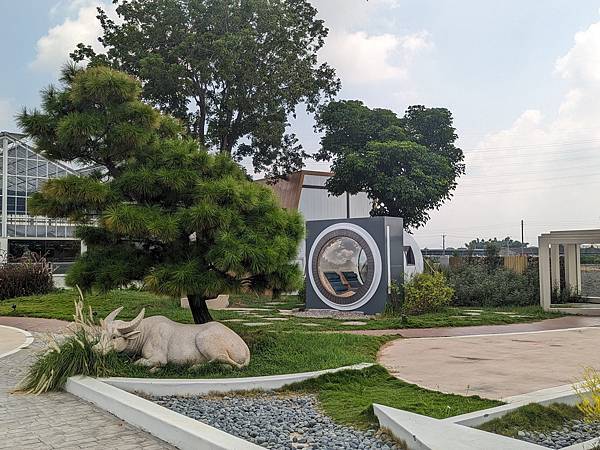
[
  {"x": 130, "y": 326},
  {"x": 112, "y": 315}
]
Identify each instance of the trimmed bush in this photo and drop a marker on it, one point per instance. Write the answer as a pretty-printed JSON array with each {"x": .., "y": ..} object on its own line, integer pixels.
[
  {"x": 426, "y": 293},
  {"x": 484, "y": 284},
  {"x": 28, "y": 277}
]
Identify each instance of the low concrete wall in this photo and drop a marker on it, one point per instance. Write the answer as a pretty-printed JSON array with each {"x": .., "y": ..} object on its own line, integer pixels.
[
  {"x": 161, "y": 387},
  {"x": 181, "y": 431}
]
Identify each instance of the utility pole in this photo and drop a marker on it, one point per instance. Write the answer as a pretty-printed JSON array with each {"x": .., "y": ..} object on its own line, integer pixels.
[
  {"x": 522, "y": 239},
  {"x": 443, "y": 245}
]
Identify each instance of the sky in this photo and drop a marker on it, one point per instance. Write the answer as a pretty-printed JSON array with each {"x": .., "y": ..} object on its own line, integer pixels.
[{"x": 521, "y": 77}]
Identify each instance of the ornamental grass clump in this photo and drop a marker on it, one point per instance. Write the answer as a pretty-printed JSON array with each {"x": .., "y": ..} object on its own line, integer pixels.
[
  {"x": 29, "y": 276},
  {"x": 69, "y": 356}
]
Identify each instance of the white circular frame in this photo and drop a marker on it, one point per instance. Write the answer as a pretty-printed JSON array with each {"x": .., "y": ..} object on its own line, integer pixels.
[{"x": 377, "y": 264}]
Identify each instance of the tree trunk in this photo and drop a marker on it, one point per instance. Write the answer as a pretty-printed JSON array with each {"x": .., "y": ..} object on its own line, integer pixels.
[{"x": 199, "y": 309}]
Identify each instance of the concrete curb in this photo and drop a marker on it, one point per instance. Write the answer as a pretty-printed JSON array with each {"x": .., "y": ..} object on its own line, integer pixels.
[
  {"x": 28, "y": 341},
  {"x": 419, "y": 432},
  {"x": 181, "y": 431},
  {"x": 162, "y": 387}
]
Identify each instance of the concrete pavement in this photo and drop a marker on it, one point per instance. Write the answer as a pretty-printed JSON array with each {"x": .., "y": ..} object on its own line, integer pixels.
[{"x": 494, "y": 366}]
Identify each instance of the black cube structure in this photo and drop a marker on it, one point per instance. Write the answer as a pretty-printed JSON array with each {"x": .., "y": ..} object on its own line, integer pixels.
[{"x": 351, "y": 262}]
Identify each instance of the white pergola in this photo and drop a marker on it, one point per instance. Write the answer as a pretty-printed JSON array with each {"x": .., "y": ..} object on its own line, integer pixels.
[{"x": 549, "y": 260}]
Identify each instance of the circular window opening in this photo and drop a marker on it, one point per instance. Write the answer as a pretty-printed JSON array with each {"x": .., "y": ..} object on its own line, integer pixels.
[{"x": 343, "y": 268}]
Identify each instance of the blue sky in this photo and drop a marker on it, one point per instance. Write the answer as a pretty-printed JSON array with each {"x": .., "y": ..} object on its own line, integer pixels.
[{"x": 521, "y": 78}]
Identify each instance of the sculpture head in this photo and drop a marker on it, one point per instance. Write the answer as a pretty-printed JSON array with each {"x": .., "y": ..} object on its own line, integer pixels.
[{"x": 116, "y": 334}]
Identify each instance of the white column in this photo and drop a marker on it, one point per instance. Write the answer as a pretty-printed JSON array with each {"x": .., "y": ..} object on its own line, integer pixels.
[
  {"x": 3, "y": 249},
  {"x": 544, "y": 264},
  {"x": 578, "y": 260},
  {"x": 571, "y": 274},
  {"x": 4, "y": 181},
  {"x": 555, "y": 266}
]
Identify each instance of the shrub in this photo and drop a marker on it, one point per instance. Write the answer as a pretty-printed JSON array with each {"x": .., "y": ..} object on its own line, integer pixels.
[
  {"x": 426, "y": 292},
  {"x": 484, "y": 284},
  {"x": 73, "y": 355},
  {"x": 29, "y": 276},
  {"x": 588, "y": 391}
]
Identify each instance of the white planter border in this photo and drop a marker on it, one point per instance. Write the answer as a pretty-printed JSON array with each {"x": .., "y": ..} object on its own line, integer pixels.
[
  {"x": 458, "y": 432},
  {"x": 161, "y": 387},
  {"x": 28, "y": 341},
  {"x": 183, "y": 432},
  {"x": 111, "y": 394}
]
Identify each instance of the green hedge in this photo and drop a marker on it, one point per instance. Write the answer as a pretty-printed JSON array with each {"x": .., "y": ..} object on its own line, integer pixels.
[{"x": 481, "y": 283}]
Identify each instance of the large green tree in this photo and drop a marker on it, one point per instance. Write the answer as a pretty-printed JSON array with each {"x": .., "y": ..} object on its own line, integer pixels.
[
  {"x": 159, "y": 207},
  {"x": 233, "y": 70},
  {"x": 407, "y": 165}
]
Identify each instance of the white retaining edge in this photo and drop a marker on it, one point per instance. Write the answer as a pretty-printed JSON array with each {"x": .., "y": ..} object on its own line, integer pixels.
[
  {"x": 176, "y": 429},
  {"x": 419, "y": 432},
  {"x": 27, "y": 343},
  {"x": 560, "y": 394},
  {"x": 162, "y": 387},
  {"x": 587, "y": 445}
]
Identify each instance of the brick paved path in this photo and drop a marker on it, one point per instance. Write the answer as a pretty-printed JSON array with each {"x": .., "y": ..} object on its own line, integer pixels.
[{"x": 59, "y": 420}]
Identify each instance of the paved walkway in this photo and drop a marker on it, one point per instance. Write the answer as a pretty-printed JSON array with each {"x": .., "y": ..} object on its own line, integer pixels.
[
  {"x": 59, "y": 420},
  {"x": 10, "y": 340},
  {"x": 33, "y": 324},
  {"x": 494, "y": 366},
  {"x": 560, "y": 323}
]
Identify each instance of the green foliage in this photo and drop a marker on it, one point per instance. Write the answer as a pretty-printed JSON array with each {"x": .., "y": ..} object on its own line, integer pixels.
[
  {"x": 533, "y": 418},
  {"x": 395, "y": 299},
  {"x": 425, "y": 293},
  {"x": 348, "y": 397},
  {"x": 407, "y": 166},
  {"x": 486, "y": 284},
  {"x": 165, "y": 210},
  {"x": 30, "y": 276},
  {"x": 232, "y": 71},
  {"x": 504, "y": 243}
]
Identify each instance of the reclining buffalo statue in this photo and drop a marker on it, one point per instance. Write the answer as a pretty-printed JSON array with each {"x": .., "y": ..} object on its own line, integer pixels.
[{"x": 160, "y": 341}]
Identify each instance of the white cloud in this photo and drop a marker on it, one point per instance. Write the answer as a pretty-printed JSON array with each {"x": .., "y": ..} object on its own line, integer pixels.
[
  {"x": 544, "y": 168},
  {"x": 363, "y": 58},
  {"x": 80, "y": 25}
]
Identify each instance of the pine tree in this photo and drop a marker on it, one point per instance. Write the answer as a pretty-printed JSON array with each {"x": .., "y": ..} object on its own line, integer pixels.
[{"x": 157, "y": 207}]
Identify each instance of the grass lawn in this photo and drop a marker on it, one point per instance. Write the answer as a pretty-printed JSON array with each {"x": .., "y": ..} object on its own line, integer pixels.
[
  {"x": 533, "y": 417},
  {"x": 348, "y": 396},
  {"x": 274, "y": 354},
  {"x": 59, "y": 305}
]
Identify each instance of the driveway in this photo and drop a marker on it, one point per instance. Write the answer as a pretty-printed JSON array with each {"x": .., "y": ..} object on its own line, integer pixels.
[{"x": 494, "y": 366}]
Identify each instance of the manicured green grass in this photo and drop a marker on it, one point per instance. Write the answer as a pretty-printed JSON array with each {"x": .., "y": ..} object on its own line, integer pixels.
[
  {"x": 59, "y": 305},
  {"x": 274, "y": 354},
  {"x": 348, "y": 396},
  {"x": 533, "y": 417}
]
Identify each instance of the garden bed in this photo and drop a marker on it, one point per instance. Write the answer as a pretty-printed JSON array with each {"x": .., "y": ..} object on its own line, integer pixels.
[
  {"x": 276, "y": 421},
  {"x": 553, "y": 426}
]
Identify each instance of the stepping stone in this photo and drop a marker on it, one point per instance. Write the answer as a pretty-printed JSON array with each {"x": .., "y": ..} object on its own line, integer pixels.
[
  {"x": 460, "y": 317},
  {"x": 277, "y": 318},
  {"x": 354, "y": 323},
  {"x": 274, "y": 303},
  {"x": 248, "y": 309},
  {"x": 506, "y": 313},
  {"x": 233, "y": 320},
  {"x": 256, "y": 324},
  {"x": 474, "y": 310},
  {"x": 286, "y": 312},
  {"x": 472, "y": 314},
  {"x": 308, "y": 324}
]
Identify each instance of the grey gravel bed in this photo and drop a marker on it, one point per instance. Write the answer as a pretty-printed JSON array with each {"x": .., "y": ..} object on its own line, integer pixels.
[
  {"x": 573, "y": 432},
  {"x": 275, "y": 422}
]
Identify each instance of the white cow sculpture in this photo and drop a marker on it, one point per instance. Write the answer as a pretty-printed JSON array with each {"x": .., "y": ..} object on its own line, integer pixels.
[{"x": 160, "y": 341}]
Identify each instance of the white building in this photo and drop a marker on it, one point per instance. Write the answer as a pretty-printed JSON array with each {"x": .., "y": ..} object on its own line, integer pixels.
[
  {"x": 23, "y": 172},
  {"x": 305, "y": 191}
]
